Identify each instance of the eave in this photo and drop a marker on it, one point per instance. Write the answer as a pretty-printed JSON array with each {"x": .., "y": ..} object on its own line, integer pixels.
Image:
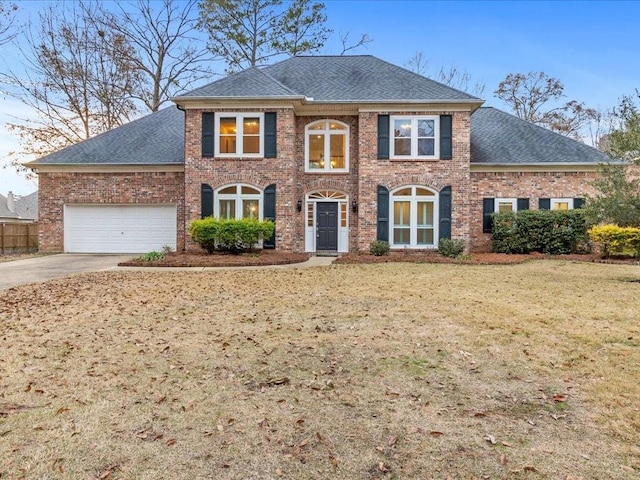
[
  {"x": 560, "y": 167},
  {"x": 104, "y": 168}
]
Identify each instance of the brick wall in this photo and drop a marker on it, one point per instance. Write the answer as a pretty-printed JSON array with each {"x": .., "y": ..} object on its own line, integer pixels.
[
  {"x": 392, "y": 174},
  {"x": 57, "y": 189},
  {"x": 531, "y": 185}
]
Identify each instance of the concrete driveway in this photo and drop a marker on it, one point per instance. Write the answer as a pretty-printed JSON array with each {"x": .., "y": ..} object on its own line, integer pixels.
[{"x": 41, "y": 269}]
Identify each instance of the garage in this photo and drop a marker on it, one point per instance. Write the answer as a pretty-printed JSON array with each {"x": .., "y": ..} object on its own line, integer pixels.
[{"x": 119, "y": 228}]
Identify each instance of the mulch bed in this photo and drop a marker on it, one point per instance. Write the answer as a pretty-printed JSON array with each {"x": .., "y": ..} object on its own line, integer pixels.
[
  {"x": 275, "y": 257},
  {"x": 202, "y": 259}
]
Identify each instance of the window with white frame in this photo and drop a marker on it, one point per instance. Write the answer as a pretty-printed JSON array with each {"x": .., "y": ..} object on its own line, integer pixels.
[
  {"x": 414, "y": 217},
  {"x": 237, "y": 202},
  {"x": 505, "y": 205},
  {"x": 415, "y": 137},
  {"x": 239, "y": 134},
  {"x": 562, "y": 204},
  {"x": 327, "y": 146}
]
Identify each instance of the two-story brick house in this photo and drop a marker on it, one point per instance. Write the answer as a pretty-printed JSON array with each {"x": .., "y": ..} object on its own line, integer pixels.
[{"x": 339, "y": 151}]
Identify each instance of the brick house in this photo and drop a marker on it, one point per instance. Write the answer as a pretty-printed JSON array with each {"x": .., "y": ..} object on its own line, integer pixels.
[{"x": 339, "y": 151}]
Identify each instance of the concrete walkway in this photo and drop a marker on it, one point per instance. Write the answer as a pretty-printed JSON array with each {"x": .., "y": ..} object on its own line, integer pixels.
[{"x": 40, "y": 269}]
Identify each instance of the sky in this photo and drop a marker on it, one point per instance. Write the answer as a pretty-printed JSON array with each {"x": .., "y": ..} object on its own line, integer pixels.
[{"x": 593, "y": 47}]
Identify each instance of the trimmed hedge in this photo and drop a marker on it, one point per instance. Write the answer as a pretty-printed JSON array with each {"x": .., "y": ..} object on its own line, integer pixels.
[
  {"x": 552, "y": 232},
  {"x": 615, "y": 240},
  {"x": 232, "y": 236}
]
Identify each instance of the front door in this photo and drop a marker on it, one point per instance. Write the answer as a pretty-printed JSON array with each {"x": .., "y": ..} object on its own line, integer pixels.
[{"x": 327, "y": 226}]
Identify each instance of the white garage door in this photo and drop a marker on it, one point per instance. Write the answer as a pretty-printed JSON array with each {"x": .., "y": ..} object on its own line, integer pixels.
[{"x": 119, "y": 228}]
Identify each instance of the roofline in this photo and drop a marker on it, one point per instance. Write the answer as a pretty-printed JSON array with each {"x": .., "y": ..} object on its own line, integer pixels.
[
  {"x": 105, "y": 168},
  {"x": 227, "y": 98},
  {"x": 309, "y": 100},
  {"x": 536, "y": 167}
]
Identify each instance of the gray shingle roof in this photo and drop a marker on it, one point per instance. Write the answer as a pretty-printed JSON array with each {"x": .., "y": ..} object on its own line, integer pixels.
[
  {"x": 25, "y": 207},
  {"x": 249, "y": 83},
  {"x": 501, "y": 138},
  {"x": 157, "y": 139},
  {"x": 360, "y": 78}
]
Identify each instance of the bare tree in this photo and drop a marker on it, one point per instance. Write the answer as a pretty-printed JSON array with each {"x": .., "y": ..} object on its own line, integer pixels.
[
  {"x": 452, "y": 76},
  {"x": 347, "y": 47},
  {"x": 77, "y": 81},
  {"x": 251, "y": 32},
  {"x": 8, "y": 30},
  {"x": 531, "y": 97},
  {"x": 165, "y": 52}
]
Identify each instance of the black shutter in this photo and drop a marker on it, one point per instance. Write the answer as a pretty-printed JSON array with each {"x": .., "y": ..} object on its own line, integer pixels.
[
  {"x": 578, "y": 202},
  {"x": 446, "y": 137},
  {"x": 207, "y": 134},
  {"x": 383, "y": 137},
  {"x": 488, "y": 207},
  {"x": 383, "y": 214},
  {"x": 206, "y": 200},
  {"x": 270, "y": 137},
  {"x": 523, "y": 204},
  {"x": 544, "y": 204},
  {"x": 269, "y": 213},
  {"x": 445, "y": 212}
]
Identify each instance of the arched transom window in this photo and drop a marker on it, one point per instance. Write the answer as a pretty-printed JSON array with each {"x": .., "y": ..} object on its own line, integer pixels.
[
  {"x": 327, "y": 146},
  {"x": 238, "y": 201},
  {"x": 414, "y": 219}
]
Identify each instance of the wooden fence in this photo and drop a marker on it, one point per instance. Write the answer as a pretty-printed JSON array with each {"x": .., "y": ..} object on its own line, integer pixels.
[{"x": 18, "y": 237}]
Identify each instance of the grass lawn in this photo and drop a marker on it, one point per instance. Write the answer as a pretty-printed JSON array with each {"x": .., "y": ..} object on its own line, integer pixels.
[{"x": 404, "y": 371}]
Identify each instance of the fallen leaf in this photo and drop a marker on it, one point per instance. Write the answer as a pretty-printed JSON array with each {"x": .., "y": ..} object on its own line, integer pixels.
[
  {"x": 529, "y": 468},
  {"x": 436, "y": 434},
  {"x": 392, "y": 440},
  {"x": 381, "y": 467},
  {"x": 334, "y": 460},
  {"x": 171, "y": 441},
  {"x": 491, "y": 439},
  {"x": 503, "y": 459},
  {"x": 559, "y": 398}
]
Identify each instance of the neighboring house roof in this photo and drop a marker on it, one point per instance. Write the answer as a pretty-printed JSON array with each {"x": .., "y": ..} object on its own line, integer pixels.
[
  {"x": 18, "y": 207},
  {"x": 157, "y": 139},
  {"x": 359, "y": 78},
  {"x": 501, "y": 138}
]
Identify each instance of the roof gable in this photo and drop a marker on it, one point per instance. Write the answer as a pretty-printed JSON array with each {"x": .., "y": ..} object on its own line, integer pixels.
[
  {"x": 498, "y": 137},
  {"x": 358, "y": 78}
]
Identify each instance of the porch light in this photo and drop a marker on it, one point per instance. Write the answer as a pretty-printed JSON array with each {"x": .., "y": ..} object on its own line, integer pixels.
[
  {"x": 354, "y": 206},
  {"x": 299, "y": 205}
]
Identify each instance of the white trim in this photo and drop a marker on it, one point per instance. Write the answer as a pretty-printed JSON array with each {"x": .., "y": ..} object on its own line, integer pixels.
[
  {"x": 499, "y": 200},
  {"x": 413, "y": 119},
  {"x": 238, "y": 197},
  {"x": 414, "y": 199},
  {"x": 327, "y": 132},
  {"x": 109, "y": 168},
  {"x": 239, "y": 116}
]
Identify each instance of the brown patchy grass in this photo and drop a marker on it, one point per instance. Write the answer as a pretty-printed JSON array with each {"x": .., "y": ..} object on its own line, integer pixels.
[{"x": 525, "y": 371}]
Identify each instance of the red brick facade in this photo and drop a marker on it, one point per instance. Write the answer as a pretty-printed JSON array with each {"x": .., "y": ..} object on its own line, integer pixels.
[{"x": 293, "y": 184}]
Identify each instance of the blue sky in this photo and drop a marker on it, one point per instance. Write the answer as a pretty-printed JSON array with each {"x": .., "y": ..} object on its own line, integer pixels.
[{"x": 592, "y": 47}]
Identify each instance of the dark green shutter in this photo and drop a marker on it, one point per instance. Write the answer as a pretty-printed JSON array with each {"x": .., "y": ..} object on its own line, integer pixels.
[
  {"x": 382, "y": 232},
  {"x": 383, "y": 137},
  {"x": 488, "y": 207},
  {"x": 207, "y": 133},
  {"x": 523, "y": 204},
  {"x": 269, "y": 213},
  {"x": 445, "y": 212},
  {"x": 578, "y": 202},
  {"x": 270, "y": 135},
  {"x": 544, "y": 204},
  {"x": 446, "y": 137},
  {"x": 206, "y": 201}
]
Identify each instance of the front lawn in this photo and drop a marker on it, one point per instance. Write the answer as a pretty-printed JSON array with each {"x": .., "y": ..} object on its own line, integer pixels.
[{"x": 396, "y": 370}]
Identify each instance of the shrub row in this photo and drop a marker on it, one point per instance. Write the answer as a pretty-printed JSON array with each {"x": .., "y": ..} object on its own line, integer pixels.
[
  {"x": 615, "y": 240},
  {"x": 552, "y": 232},
  {"x": 232, "y": 236}
]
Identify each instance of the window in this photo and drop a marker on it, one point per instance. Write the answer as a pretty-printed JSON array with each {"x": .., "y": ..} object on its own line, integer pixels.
[
  {"x": 239, "y": 134},
  {"x": 415, "y": 137},
  {"x": 562, "y": 204},
  {"x": 327, "y": 146},
  {"x": 505, "y": 205},
  {"x": 237, "y": 202},
  {"x": 413, "y": 218}
]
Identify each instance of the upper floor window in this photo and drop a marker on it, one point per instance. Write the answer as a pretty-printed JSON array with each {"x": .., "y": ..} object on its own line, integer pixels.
[
  {"x": 238, "y": 202},
  {"x": 239, "y": 134},
  {"x": 326, "y": 146},
  {"x": 415, "y": 137}
]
